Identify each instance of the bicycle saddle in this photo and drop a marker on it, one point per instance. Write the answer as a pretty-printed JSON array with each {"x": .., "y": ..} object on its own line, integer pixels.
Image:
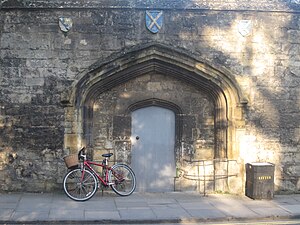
[{"x": 107, "y": 155}]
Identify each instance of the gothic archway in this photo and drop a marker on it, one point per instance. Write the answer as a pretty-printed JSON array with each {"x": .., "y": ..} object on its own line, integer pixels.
[{"x": 102, "y": 76}]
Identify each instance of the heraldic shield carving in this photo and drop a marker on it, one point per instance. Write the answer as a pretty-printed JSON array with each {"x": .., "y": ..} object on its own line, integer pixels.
[
  {"x": 245, "y": 27},
  {"x": 154, "y": 20},
  {"x": 65, "y": 24}
]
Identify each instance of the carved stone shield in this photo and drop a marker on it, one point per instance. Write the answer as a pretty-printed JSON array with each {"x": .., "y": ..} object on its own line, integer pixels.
[
  {"x": 245, "y": 27},
  {"x": 154, "y": 20},
  {"x": 65, "y": 24}
]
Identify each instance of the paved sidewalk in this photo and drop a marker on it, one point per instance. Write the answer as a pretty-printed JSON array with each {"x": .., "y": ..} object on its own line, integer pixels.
[{"x": 144, "y": 208}]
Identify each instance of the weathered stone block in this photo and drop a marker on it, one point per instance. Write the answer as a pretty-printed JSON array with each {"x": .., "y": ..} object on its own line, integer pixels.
[{"x": 202, "y": 153}]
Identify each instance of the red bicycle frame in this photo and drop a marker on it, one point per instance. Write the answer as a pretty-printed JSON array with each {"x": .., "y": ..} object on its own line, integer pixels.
[{"x": 107, "y": 168}]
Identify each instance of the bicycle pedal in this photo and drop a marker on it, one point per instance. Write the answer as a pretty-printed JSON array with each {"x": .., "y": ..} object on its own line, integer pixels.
[{"x": 110, "y": 183}]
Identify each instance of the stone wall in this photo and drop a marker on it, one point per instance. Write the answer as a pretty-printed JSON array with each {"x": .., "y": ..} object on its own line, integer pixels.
[{"x": 257, "y": 42}]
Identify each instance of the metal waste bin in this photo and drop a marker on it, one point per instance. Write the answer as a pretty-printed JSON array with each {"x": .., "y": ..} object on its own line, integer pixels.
[{"x": 260, "y": 180}]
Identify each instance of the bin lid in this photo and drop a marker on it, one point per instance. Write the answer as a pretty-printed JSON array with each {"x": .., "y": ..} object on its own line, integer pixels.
[{"x": 261, "y": 164}]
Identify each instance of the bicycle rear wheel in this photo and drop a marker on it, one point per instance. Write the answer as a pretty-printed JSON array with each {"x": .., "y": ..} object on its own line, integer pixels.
[
  {"x": 122, "y": 179},
  {"x": 80, "y": 185}
]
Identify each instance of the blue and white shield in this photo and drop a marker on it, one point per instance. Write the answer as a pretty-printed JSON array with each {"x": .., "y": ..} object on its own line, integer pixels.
[
  {"x": 65, "y": 24},
  {"x": 154, "y": 20}
]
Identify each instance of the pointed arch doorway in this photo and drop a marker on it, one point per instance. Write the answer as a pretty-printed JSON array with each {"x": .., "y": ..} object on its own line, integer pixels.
[
  {"x": 221, "y": 88},
  {"x": 153, "y": 143}
]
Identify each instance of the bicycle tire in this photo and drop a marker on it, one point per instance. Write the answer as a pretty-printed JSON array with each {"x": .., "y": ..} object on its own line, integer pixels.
[
  {"x": 80, "y": 190},
  {"x": 122, "y": 179}
]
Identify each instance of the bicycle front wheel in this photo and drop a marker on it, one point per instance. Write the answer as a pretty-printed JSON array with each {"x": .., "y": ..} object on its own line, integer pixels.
[
  {"x": 80, "y": 185},
  {"x": 122, "y": 179}
]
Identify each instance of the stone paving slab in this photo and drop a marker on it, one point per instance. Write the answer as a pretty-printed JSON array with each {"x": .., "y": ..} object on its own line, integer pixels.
[
  {"x": 6, "y": 214},
  {"x": 137, "y": 214},
  {"x": 293, "y": 209},
  {"x": 22, "y": 216},
  {"x": 206, "y": 214},
  {"x": 102, "y": 215},
  {"x": 170, "y": 212},
  {"x": 153, "y": 207}
]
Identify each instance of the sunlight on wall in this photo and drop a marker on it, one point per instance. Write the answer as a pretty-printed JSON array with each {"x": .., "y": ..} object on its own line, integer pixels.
[
  {"x": 248, "y": 148},
  {"x": 262, "y": 56},
  {"x": 261, "y": 81},
  {"x": 125, "y": 95},
  {"x": 256, "y": 52},
  {"x": 96, "y": 107},
  {"x": 251, "y": 149}
]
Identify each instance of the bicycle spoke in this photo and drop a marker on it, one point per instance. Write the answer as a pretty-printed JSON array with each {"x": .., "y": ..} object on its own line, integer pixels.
[
  {"x": 80, "y": 188},
  {"x": 123, "y": 179}
]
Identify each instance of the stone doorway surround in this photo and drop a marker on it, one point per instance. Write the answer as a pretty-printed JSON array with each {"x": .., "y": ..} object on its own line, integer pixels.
[{"x": 213, "y": 80}]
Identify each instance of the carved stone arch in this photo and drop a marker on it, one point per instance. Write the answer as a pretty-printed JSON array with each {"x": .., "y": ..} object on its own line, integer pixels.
[{"x": 180, "y": 64}]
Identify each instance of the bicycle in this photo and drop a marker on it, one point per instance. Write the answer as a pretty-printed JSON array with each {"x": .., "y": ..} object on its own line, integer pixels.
[{"x": 81, "y": 183}]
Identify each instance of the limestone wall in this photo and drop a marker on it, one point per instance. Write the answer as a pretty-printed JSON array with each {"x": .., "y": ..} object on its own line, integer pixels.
[{"x": 257, "y": 42}]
